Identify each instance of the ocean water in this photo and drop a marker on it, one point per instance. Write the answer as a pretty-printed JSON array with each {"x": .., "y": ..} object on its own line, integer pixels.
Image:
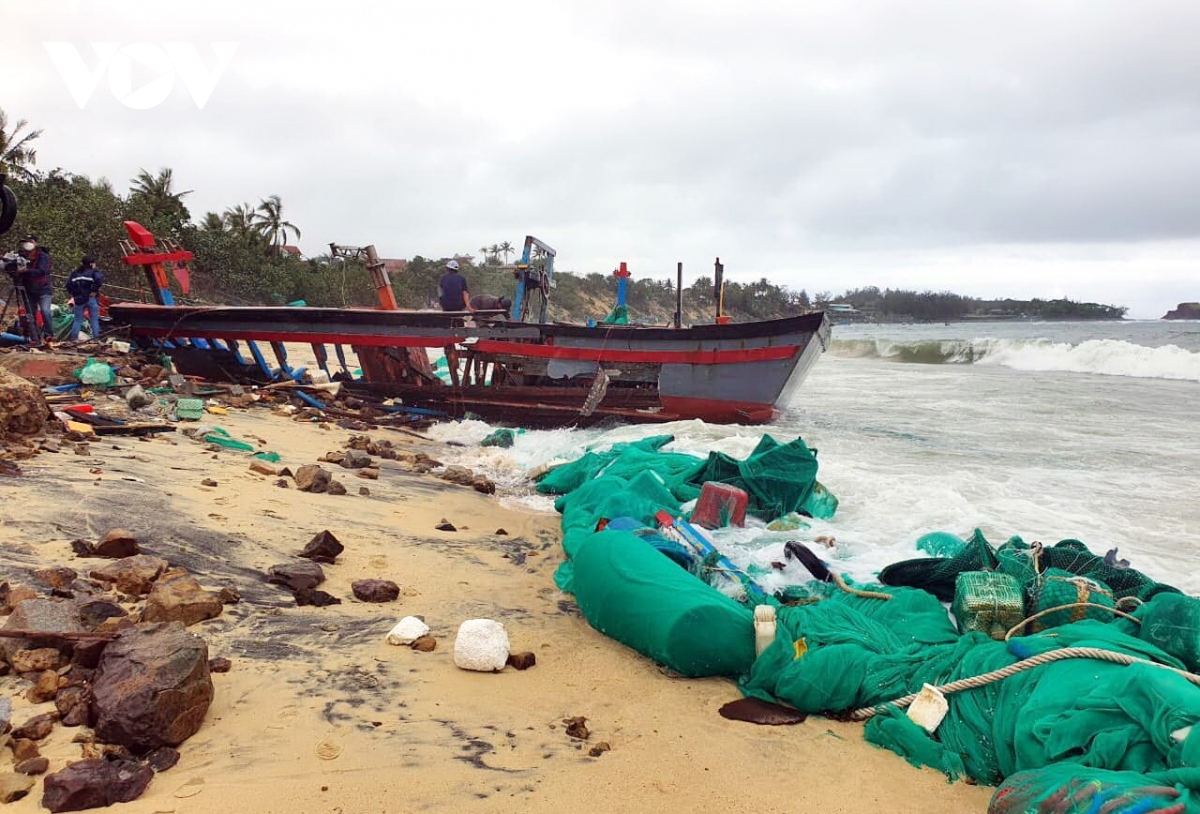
[{"x": 1044, "y": 430}]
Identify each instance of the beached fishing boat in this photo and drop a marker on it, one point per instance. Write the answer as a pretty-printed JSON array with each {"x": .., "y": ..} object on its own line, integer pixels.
[{"x": 503, "y": 365}]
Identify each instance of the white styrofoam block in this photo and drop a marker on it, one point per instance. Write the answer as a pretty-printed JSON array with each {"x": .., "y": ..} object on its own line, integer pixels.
[
  {"x": 407, "y": 631},
  {"x": 482, "y": 645}
]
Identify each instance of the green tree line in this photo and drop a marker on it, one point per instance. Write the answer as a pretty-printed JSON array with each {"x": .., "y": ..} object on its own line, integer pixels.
[{"x": 240, "y": 259}]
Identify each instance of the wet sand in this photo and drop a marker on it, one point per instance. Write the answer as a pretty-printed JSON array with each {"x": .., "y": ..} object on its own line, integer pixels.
[{"x": 319, "y": 714}]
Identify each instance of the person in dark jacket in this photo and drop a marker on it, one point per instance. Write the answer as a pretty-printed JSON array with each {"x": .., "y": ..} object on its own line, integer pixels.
[
  {"x": 84, "y": 287},
  {"x": 37, "y": 282},
  {"x": 453, "y": 294}
]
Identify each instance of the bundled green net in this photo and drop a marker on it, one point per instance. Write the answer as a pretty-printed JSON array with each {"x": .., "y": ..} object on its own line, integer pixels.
[
  {"x": 778, "y": 478},
  {"x": 1070, "y": 736}
]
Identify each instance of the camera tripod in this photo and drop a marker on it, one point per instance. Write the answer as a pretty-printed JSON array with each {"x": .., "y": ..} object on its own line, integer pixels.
[{"x": 26, "y": 312}]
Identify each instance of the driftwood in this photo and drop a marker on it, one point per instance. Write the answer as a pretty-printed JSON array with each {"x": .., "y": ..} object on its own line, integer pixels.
[{"x": 60, "y": 635}]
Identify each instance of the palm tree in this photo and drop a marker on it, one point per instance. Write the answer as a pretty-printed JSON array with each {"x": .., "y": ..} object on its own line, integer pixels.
[
  {"x": 268, "y": 221},
  {"x": 212, "y": 222},
  {"x": 16, "y": 156},
  {"x": 239, "y": 220},
  {"x": 159, "y": 192},
  {"x": 506, "y": 249}
]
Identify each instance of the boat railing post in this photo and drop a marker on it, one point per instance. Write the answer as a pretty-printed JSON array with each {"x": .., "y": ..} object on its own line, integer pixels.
[{"x": 678, "y": 295}]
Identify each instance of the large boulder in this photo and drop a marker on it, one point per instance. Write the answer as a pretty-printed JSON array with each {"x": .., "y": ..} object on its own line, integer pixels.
[
  {"x": 23, "y": 409},
  {"x": 152, "y": 687},
  {"x": 178, "y": 597},
  {"x": 296, "y": 575},
  {"x": 95, "y": 783}
]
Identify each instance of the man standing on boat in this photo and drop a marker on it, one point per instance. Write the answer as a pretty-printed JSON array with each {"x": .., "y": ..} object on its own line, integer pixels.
[{"x": 453, "y": 294}]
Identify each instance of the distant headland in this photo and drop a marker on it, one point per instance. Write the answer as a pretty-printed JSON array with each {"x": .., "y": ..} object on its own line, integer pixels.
[{"x": 1185, "y": 310}]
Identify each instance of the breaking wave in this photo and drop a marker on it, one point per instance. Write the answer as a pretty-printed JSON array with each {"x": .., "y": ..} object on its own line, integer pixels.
[{"x": 1104, "y": 357}]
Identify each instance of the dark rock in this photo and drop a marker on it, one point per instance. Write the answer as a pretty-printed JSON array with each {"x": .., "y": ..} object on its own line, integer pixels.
[
  {"x": 336, "y": 487},
  {"x": 59, "y": 577},
  {"x": 35, "y": 765},
  {"x": 281, "y": 483},
  {"x": 37, "y": 727},
  {"x": 296, "y": 575},
  {"x": 458, "y": 474},
  {"x": 355, "y": 459},
  {"x": 501, "y": 532},
  {"x": 375, "y": 590},
  {"x": 323, "y": 548},
  {"x": 73, "y": 704},
  {"x": 44, "y": 689},
  {"x": 116, "y": 544},
  {"x": 445, "y": 525},
  {"x": 483, "y": 485},
  {"x": 162, "y": 758},
  {"x": 362, "y": 490},
  {"x": 332, "y": 458},
  {"x": 577, "y": 728},
  {"x": 219, "y": 665},
  {"x": 370, "y": 473},
  {"x": 24, "y": 749},
  {"x": 312, "y": 478},
  {"x": 229, "y": 595},
  {"x": 178, "y": 597},
  {"x": 51, "y": 616},
  {"x": 87, "y": 654},
  {"x": 93, "y": 612},
  {"x": 152, "y": 687},
  {"x": 209, "y": 482},
  {"x": 95, "y": 783},
  {"x": 599, "y": 749},
  {"x": 522, "y": 661},
  {"x": 81, "y": 547},
  {"x": 131, "y": 575},
  {"x": 14, "y": 786},
  {"x": 426, "y": 643},
  {"x": 315, "y": 597}
]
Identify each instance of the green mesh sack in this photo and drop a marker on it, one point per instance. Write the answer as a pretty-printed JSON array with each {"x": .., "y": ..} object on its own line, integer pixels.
[
  {"x": 778, "y": 478},
  {"x": 1074, "y": 556},
  {"x": 1018, "y": 559},
  {"x": 632, "y": 593},
  {"x": 1055, "y": 588},
  {"x": 1172, "y": 622},
  {"x": 938, "y": 575},
  {"x": 990, "y": 602}
]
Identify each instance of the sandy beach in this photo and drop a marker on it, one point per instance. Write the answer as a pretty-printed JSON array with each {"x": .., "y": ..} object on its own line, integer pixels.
[{"x": 319, "y": 714}]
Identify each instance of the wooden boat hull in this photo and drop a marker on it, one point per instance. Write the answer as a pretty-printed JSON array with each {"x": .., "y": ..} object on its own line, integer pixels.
[{"x": 537, "y": 374}]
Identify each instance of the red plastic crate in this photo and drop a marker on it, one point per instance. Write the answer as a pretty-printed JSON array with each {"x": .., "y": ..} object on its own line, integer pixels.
[{"x": 720, "y": 505}]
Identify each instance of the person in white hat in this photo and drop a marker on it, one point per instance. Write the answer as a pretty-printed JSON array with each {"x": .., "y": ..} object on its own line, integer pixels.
[{"x": 453, "y": 294}]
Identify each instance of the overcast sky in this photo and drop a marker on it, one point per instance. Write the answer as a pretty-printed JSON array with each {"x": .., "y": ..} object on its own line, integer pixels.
[{"x": 1024, "y": 149}]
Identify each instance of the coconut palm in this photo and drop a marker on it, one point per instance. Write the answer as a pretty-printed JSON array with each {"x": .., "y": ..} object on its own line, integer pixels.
[
  {"x": 268, "y": 221},
  {"x": 506, "y": 249},
  {"x": 212, "y": 222},
  {"x": 16, "y": 155},
  {"x": 159, "y": 192},
  {"x": 239, "y": 220}
]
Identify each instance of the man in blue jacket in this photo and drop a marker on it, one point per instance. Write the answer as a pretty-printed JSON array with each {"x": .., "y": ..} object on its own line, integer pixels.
[
  {"x": 36, "y": 279},
  {"x": 84, "y": 287}
]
